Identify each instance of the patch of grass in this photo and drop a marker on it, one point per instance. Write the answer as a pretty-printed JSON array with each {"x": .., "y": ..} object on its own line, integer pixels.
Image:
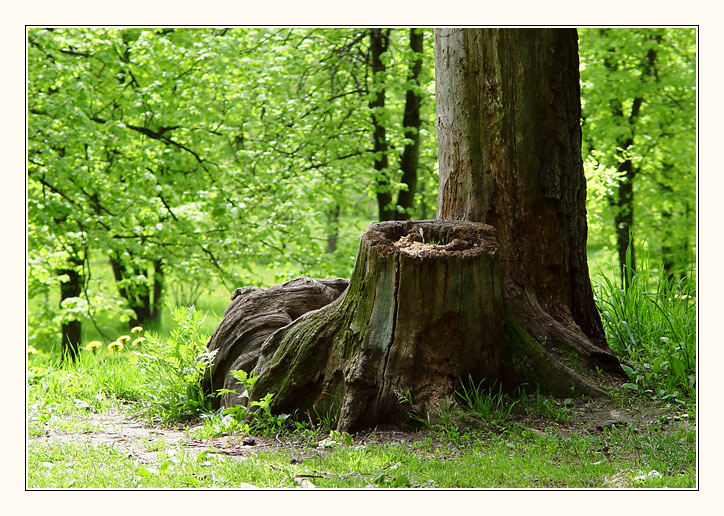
[
  {"x": 155, "y": 444},
  {"x": 546, "y": 407},
  {"x": 172, "y": 369},
  {"x": 490, "y": 405}
]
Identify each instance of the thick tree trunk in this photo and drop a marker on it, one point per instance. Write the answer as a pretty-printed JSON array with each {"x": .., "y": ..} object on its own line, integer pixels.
[
  {"x": 423, "y": 311},
  {"x": 509, "y": 141},
  {"x": 416, "y": 317}
]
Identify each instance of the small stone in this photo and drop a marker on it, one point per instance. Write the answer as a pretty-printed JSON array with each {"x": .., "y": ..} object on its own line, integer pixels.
[{"x": 248, "y": 441}]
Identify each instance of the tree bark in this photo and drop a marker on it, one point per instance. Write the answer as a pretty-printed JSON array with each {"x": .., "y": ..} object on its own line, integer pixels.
[
  {"x": 253, "y": 315},
  {"x": 416, "y": 317},
  {"x": 509, "y": 146},
  {"x": 411, "y": 122},
  {"x": 424, "y": 311},
  {"x": 379, "y": 40}
]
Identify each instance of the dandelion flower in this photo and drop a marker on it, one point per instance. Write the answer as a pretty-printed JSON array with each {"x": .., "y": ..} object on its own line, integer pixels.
[
  {"x": 136, "y": 329},
  {"x": 32, "y": 350},
  {"x": 123, "y": 338},
  {"x": 138, "y": 341},
  {"x": 115, "y": 346},
  {"x": 93, "y": 346}
]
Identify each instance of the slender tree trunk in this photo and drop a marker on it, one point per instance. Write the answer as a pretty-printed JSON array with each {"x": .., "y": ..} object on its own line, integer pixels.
[
  {"x": 509, "y": 146},
  {"x": 138, "y": 296},
  {"x": 332, "y": 228},
  {"x": 624, "y": 214},
  {"x": 411, "y": 122},
  {"x": 158, "y": 284},
  {"x": 624, "y": 195},
  {"x": 379, "y": 40},
  {"x": 71, "y": 331}
]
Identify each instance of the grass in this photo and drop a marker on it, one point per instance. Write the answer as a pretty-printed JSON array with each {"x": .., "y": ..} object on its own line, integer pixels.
[
  {"x": 516, "y": 458},
  {"x": 651, "y": 325}
]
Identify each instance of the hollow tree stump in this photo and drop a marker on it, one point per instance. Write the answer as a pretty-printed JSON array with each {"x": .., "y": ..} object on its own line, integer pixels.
[
  {"x": 424, "y": 309},
  {"x": 253, "y": 315}
]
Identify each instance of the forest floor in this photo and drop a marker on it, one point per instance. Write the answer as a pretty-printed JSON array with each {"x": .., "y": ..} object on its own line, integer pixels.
[{"x": 149, "y": 447}]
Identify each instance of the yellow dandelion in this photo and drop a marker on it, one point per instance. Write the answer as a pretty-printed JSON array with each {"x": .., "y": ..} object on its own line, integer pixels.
[
  {"x": 138, "y": 341},
  {"x": 123, "y": 339},
  {"x": 115, "y": 346},
  {"x": 136, "y": 329},
  {"x": 32, "y": 350},
  {"x": 93, "y": 346}
]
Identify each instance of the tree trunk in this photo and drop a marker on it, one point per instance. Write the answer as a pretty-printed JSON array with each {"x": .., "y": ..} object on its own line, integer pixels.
[
  {"x": 71, "y": 331},
  {"x": 379, "y": 40},
  {"x": 332, "y": 228},
  {"x": 146, "y": 310},
  {"x": 509, "y": 146},
  {"x": 624, "y": 195},
  {"x": 156, "y": 305},
  {"x": 411, "y": 122}
]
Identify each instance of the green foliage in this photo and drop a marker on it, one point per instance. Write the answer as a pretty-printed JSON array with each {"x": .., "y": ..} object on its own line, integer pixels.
[
  {"x": 173, "y": 368},
  {"x": 188, "y": 156},
  {"x": 652, "y": 326},
  {"x": 654, "y": 69},
  {"x": 252, "y": 416}
]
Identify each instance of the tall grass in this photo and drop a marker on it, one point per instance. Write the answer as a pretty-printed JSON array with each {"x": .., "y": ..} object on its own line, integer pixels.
[{"x": 651, "y": 325}]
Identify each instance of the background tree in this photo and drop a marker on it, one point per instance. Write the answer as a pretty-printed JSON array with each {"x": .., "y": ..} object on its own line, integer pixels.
[
  {"x": 155, "y": 145},
  {"x": 638, "y": 136}
]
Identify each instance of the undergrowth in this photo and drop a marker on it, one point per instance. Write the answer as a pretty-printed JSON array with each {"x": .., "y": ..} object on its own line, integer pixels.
[{"x": 651, "y": 325}]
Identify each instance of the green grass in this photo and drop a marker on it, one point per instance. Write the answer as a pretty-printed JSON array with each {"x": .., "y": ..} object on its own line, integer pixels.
[
  {"x": 514, "y": 459},
  {"x": 651, "y": 325}
]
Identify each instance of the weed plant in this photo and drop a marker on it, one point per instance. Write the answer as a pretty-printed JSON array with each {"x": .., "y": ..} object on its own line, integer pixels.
[
  {"x": 173, "y": 368},
  {"x": 490, "y": 405}
]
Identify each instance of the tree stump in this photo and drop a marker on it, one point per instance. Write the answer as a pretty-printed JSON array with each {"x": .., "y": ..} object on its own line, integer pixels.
[
  {"x": 424, "y": 309},
  {"x": 253, "y": 315}
]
